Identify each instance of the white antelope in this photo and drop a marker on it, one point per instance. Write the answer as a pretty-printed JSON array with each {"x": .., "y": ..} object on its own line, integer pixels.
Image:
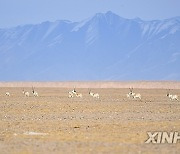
[
  {"x": 172, "y": 97},
  {"x": 35, "y": 94},
  {"x": 137, "y": 96},
  {"x": 26, "y": 93},
  {"x": 94, "y": 95},
  {"x": 7, "y": 94},
  {"x": 77, "y": 94},
  {"x": 73, "y": 91},
  {"x": 90, "y": 93},
  {"x": 130, "y": 94},
  {"x": 70, "y": 94},
  {"x": 133, "y": 95}
]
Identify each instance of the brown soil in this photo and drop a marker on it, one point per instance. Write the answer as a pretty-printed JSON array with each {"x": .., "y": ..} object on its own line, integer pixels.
[{"x": 112, "y": 124}]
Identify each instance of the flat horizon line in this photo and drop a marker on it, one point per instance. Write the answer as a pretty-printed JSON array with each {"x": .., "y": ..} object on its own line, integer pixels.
[{"x": 95, "y": 84}]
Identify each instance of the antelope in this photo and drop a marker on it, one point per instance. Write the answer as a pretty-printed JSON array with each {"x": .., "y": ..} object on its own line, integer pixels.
[
  {"x": 26, "y": 93},
  {"x": 130, "y": 94},
  {"x": 70, "y": 94},
  {"x": 77, "y": 94},
  {"x": 133, "y": 95},
  {"x": 94, "y": 95},
  {"x": 90, "y": 93},
  {"x": 137, "y": 96},
  {"x": 73, "y": 91},
  {"x": 172, "y": 97},
  {"x": 35, "y": 94},
  {"x": 7, "y": 94}
]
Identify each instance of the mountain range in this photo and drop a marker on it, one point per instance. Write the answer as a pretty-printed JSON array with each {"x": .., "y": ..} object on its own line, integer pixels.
[{"x": 102, "y": 47}]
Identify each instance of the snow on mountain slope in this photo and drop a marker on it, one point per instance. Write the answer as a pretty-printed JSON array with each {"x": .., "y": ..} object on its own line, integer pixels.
[{"x": 103, "y": 47}]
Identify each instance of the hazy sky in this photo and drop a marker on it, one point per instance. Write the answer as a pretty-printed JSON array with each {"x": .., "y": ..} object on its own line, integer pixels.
[{"x": 17, "y": 12}]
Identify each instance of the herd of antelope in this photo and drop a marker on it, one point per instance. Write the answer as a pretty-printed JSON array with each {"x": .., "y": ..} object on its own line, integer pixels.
[
  {"x": 25, "y": 93},
  {"x": 76, "y": 94},
  {"x": 172, "y": 97},
  {"x": 130, "y": 95},
  {"x": 133, "y": 95}
]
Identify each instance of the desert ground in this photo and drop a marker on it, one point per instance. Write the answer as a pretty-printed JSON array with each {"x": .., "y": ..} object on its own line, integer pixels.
[{"x": 54, "y": 123}]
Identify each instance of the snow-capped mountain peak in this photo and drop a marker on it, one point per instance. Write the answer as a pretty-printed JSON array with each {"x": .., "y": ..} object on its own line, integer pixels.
[{"x": 105, "y": 46}]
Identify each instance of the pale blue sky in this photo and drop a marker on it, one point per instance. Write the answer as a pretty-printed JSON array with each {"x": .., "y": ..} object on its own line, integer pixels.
[{"x": 17, "y": 12}]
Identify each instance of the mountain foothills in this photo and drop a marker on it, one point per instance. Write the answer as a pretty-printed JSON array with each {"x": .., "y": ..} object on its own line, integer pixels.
[{"x": 103, "y": 47}]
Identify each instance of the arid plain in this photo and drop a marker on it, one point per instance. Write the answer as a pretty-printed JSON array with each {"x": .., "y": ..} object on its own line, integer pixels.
[{"x": 54, "y": 123}]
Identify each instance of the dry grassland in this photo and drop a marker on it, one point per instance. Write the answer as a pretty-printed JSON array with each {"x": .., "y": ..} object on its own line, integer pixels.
[{"x": 54, "y": 123}]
